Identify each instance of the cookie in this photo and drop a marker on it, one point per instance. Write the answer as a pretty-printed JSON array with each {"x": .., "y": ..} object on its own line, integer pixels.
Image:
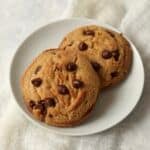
[
  {"x": 109, "y": 52},
  {"x": 60, "y": 88}
]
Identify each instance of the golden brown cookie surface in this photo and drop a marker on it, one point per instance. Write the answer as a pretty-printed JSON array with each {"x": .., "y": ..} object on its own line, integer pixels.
[
  {"x": 109, "y": 52},
  {"x": 60, "y": 88}
]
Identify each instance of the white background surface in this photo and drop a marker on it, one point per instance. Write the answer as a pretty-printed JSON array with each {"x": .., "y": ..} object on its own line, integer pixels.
[{"x": 20, "y": 17}]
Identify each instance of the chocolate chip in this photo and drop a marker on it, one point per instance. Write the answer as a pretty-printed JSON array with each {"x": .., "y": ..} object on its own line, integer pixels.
[
  {"x": 116, "y": 54},
  {"x": 42, "y": 102},
  {"x": 114, "y": 74},
  {"x": 36, "y": 82},
  {"x": 41, "y": 107},
  {"x": 62, "y": 89},
  {"x": 89, "y": 32},
  {"x": 83, "y": 46},
  {"x": 50, "y": 102},
  {"x": 71, "y": 66},
  {"x": 37, "y": 69},
  {"x": 77, "y": 84},
  {"x": 106, "y": 54},
  {"x": 50, "y": 115},
  {"x": 31, "y": 103},
  {"x": 96, "y": 66},
  {"x": 47, "y": 102}
]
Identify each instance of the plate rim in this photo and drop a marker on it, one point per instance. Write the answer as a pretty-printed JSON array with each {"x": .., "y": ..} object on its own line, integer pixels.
[{"x": 46, "y": 127}]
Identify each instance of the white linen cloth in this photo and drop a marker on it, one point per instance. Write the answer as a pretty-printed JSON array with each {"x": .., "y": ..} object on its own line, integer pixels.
[{"x": 18, "y": 18}]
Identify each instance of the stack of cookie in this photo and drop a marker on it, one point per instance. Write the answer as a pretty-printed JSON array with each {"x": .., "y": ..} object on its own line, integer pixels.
[{"x": 61, "y": 86}]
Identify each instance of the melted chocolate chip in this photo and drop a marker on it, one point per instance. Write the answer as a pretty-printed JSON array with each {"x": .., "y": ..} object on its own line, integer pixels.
[
  {"x": 36, "y": 82},
  {"x": 96, "y": 66},
  {"x": 62, "y": 89},
  {"x": 47, "y": 102},
  {"x": 50, "y": 115},
  {"x": 83, "y": 46},
  {"x": 106, "y": 54},
  {"x": 31, "y": 103},
  {"x": 89, "y": 32},
  {"x": 77, "y": 84},
  {"x": 71, "y": 67},
  {"x": 41, "y": 107},
  {"x": 115, "y": 54},
  {"x": 114, "y": 74},
  {"x": 37, "y": 69},
  {"x": 50, "y": 102},
  {"x": 42, "y": 102}
]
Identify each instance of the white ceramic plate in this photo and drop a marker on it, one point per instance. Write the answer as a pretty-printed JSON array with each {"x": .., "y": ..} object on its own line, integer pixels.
[{"x": 114, "y": 104}]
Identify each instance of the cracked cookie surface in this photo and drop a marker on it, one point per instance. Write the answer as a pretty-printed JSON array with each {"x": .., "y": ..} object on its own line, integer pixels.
[
  {"x": 60, "y": 88},
  {"x": 109, "y": 52}
]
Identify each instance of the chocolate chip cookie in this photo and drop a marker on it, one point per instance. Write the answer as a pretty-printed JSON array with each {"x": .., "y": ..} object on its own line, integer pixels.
[
  {"x": 109, "y": 52},
  {"x": 60, "y": 88}
]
